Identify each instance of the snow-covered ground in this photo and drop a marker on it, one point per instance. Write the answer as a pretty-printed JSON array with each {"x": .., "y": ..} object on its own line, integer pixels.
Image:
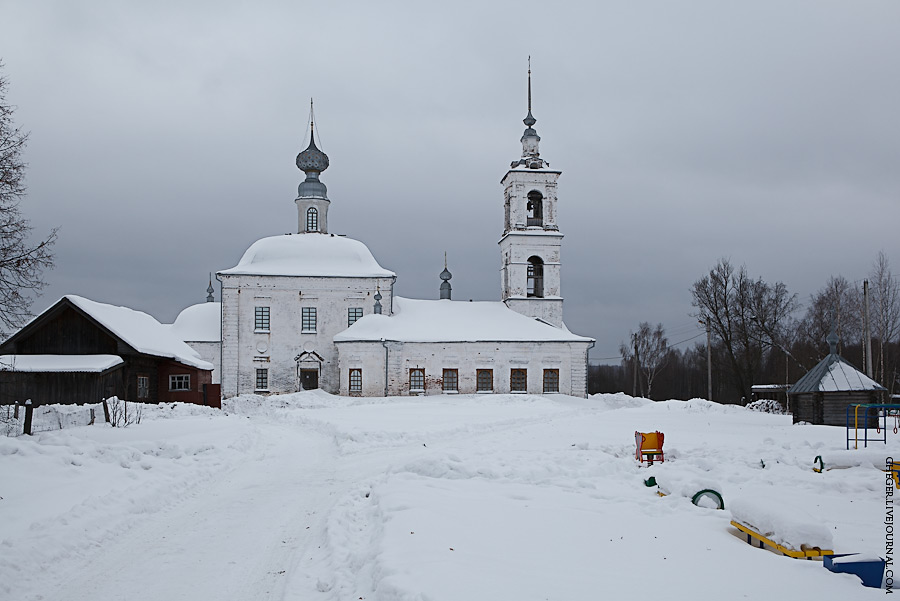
[{"x": 487, "y": 497}]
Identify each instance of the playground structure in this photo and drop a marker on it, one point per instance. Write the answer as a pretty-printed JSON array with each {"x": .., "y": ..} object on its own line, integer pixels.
[
  {"x": 805, "y": 552},
  {"x": 861, "y": 416},
  {"x": 649, "y": 446}
]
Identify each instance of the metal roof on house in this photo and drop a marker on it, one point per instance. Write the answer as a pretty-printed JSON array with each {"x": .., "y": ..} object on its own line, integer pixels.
[{"x": 834, "y": 374}]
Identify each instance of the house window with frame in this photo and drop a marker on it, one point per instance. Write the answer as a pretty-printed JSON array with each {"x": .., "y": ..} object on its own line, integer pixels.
[
  {"x": 355, "y": 381},
  {"x": 308, "y": 319},
  {"x": 179, "y": 382},
  {"x": 450, "y": 381},
  {"x": 353, "y": 314},
  {"x": 261, "y": 319},
  {"x": 551, "y": 380},
  {"x": 518, "y": 380},
  {"x": 416, "y": 379},
  {"x": 312, "y": 219},
  {"x": 484, "y": 380},
  {"x": 262, "y": 379},
  {"x": 143, "y": 388}
]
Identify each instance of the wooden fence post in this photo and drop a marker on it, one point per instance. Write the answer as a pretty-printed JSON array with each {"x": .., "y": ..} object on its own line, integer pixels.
[
  {"x": 29, "y": 412},
  {"x": 16, "y": 410},
  {"x": 105, "y": 411}
]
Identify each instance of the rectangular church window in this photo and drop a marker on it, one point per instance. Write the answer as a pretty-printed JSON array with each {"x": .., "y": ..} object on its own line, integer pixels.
[
  {"x": 308, "y": 319},
  {"x": 355, "y": 381},
  {"x": 551, "y": 380},
  {"x": 416, "y": 379},
  {"x": 484, "y": 380},
  {"x": 518, "y": 380},
  {"x": 353, "y": 313},
  {"x": 451, "y": 380},
  {"x": 262, "y": 379},
  {"x": 261, "y": 319}
]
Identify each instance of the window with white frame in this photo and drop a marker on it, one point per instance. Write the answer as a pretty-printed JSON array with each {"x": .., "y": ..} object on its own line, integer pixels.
[
  {"x": 262, "y": 379},
  {"x": 484, "y": 380},
  {"x": 518, "y": 380},
  {"x": 312, "y": 219},
  {"x": 180, "y": 382},
  {"x": 551, "y": 380},
  {"x": 308, "y": 319},
  {"x": 416, "y": 379},
  {"x": 353, "y": 313},
  {"x": 143, "y": 387},
  {"x": 261, "y": 319},
  {"x": 355, "y": 381},
  {"x": 450, "y": 381}
]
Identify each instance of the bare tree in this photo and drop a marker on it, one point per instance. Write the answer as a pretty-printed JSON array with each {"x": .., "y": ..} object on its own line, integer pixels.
[
  {"x": 837, "y": 305},
  {"x": 748, "y": 317},
  {"x": 885, "y": 306},
  {"x": 652, "y": 347},
  {"x": 22, "y": 263}
]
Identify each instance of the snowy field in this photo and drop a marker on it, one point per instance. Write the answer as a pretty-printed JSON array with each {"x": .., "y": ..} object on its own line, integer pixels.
[{"x": 461, "y": 498}]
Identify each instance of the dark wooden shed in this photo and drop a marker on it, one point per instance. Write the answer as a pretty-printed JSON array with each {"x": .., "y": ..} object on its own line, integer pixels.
[
  {"x": 81, "y": 351},
  {"x": 824, "y": 393}
]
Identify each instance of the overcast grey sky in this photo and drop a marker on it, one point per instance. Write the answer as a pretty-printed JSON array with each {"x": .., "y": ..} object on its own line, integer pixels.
[{"x": 163, "y": 138}]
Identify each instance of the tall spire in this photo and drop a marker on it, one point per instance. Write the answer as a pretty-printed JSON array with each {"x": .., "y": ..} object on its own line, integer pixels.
[
  {"x": 313, "y": 162},
  {"x": 210, "y": 290},
  {"x": 531, "y": 156}
]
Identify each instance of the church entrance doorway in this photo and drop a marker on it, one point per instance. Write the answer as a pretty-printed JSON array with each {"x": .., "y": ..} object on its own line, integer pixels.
[{"x": 309, "y": 379}]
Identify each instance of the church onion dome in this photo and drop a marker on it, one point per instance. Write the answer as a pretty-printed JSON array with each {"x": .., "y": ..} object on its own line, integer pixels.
[
  {"x": 312, "y": 159},
  {"x": 316, "y": 255}
]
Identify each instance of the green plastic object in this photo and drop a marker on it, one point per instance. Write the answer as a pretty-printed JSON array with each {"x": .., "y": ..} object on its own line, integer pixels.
[
  {"x": 821, "y": 464},
  {"x": 709, "y": 494},
  {"x": 651, "y": 481}
]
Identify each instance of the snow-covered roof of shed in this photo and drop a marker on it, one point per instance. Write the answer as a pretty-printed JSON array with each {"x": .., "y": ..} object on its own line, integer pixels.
[
  {"x": 59, "y": 363},
  {"x": 199, "y": 323},
  {"x": 309, "y": 254},
  {"x": 453, "y": 321},
  {"x": 834, "y": 374},
  {"x": 140, "y": 331}
]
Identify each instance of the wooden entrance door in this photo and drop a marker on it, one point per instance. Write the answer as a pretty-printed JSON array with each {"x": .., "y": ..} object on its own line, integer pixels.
[{"x": 309, "y": 379}]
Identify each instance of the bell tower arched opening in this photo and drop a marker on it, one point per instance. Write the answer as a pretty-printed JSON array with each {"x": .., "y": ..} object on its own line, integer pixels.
[
  {"x": 535, "y": 286},
  {"x": 312, "y": 219},
  {"x": 535, "y": 207}
]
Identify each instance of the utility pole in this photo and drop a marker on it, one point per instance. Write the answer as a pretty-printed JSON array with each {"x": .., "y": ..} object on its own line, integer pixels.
[
  {"x": 634, "y": 386},
  {"x": 868, "y": 333},
  {"x": 709, "y": 394}
]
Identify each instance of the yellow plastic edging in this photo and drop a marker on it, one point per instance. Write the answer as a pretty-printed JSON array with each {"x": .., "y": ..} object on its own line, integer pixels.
[{"x": 789, "y": 552}]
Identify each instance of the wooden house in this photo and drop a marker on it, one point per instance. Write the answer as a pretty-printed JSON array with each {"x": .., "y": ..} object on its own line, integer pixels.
[
  {"x": 82, "y": 351},
  {"x": 824, "y": 393}
]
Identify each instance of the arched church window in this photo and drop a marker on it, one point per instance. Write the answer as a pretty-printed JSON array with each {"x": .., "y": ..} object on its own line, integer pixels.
[
  {"x": 312, "y": 219},
  {"x": 535, "y": 208},
  {"x": 535, "y": 277}
]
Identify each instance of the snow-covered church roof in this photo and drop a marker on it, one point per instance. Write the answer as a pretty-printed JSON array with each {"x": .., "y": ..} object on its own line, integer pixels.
[
  {"x": 140, "y": 331},
  {"x": 309, "y": 254},
  {"x": 199, "y": 323},
  {"x": 453, "y": 321}
]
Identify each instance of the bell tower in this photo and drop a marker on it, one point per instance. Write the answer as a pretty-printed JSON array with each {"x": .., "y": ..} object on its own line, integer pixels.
[
  {"x": 312, "y": 195},
  {"x": 531, "y": 242}
]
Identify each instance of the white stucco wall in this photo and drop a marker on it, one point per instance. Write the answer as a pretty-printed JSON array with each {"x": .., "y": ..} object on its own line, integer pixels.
[
  {"x": 245, "y": 350},
  {"x": 210, "y": 351},
  {"x": 467, "y": 357}
]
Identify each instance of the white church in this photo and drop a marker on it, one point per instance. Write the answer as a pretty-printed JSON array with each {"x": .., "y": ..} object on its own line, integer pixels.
[{"x": 316, "y": 310}]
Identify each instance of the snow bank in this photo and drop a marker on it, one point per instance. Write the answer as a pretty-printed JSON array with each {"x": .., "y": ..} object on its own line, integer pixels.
[
  {"x": 618, "y": 400},
  {"x": 781, "y": 522}
]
